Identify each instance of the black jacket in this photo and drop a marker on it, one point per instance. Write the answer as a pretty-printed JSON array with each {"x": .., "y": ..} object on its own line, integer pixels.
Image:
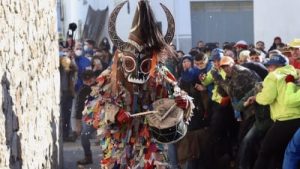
[
  {"x": 258, "y": 68},
  {"x": 83, "y": 93}
]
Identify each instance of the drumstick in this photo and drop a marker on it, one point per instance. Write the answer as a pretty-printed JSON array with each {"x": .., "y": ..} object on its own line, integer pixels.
[
  {"x": 143, "y": 113},
  {"x": 167, "y": 113}
]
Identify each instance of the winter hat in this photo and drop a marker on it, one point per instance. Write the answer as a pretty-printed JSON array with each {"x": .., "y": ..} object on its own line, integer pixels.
[
  {"x": 216, "y": 54},
  {"x": 187, "y": 56},
  {"x": 241, "y": 44},
  {"x": 279, "y": 60}
]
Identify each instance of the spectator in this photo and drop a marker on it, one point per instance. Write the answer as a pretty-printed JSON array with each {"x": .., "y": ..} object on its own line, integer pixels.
[
  {"x": 288, "y": 53},
  {"x": 222, "y": 123},
  {"x": 227, "y": 46},
  {"x": 193, "y": 52},
  {"x": 200, "y": 45},
  {"x": 250, "y": 142},
  {"x": 83, "y": 63},
  {"x": 276, "y": 42},
  {"x": 292, "y": 152},
  {"x": 231, "y": 54},
  {"x": 67, "y": 74},
  {"x": 106, "y": 58},
  {"x": 240, "y": 45},
  {"x": 295, "y": 48},
  {"x": 88, "y": 48},
  {"x": 97, "y": 65},
  {"x": 286, "y": 119},
  {"x": 244, "y": 57},
  {"x": 104, "y": 45},
  {"x": 240, "y": 79},
  {"x": 257, "y": 67},
  {"x": 273, "y": 52},
  {"x": 255, "y": 56},
  {"x": 180, "y": 54},
  {"x": 189, "y": 77},
  {"x": 260, "y": 46},
  {"x": 203, "y": 66},
  {"x": 89, "y": 80}
]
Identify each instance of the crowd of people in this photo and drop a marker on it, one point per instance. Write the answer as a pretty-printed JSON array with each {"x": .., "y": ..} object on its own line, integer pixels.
[
  {"x": 245, "y": 114},
  {"x": 80, "y": 64},
  {"x": 247, "y": 102}
]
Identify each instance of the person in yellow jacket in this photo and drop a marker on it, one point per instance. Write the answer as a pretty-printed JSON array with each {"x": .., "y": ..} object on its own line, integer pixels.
[
  {"x": 286, "y": 119},
  {"x": 221, "y": 117},
  {"x": 292, "y": 93},
  {"x": 292, "y": 99}
]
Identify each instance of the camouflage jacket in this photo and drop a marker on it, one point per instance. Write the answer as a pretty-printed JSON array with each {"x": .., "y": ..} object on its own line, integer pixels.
[{"x": 241, "y": 81}]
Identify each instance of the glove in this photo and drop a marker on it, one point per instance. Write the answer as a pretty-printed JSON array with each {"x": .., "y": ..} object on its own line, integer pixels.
[
  {"x": 289, "y": 78},
  {"x": 225, "y": 101},
  {"x": 122, "y": 116},
  {"x": 182, "y": 102}
]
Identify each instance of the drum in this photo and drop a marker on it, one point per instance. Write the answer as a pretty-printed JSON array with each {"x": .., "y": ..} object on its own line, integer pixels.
[{"x": 167, "y": 125}]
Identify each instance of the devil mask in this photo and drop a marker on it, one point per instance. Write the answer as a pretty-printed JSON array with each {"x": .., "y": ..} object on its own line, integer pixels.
[{"x": 144, "y": 41}]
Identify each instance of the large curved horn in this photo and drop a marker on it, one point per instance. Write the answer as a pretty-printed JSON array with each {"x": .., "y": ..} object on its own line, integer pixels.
[
  {"x": 116, "y": 40},
  {"x": 171, "y": 25}
]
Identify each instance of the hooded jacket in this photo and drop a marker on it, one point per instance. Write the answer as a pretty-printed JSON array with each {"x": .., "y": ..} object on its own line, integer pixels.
[{"x": 273, "y": 94}]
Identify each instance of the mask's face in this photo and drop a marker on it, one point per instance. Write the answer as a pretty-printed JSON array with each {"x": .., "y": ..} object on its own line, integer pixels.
[{"x": 136, "y": 66}]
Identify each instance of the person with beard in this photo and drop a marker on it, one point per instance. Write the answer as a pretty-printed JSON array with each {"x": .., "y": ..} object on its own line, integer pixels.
[{"x": 260, "y": 46}]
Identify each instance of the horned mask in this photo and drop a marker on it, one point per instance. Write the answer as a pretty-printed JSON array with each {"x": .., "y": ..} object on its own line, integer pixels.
[{"x": 136, "y": 56}]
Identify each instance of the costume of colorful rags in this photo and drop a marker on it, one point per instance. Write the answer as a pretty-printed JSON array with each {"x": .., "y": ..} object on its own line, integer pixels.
[{"x": 137, "y": 106}]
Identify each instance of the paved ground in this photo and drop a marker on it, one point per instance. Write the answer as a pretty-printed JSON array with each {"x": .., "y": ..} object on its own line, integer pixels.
[{"x": 73, "y": 152}]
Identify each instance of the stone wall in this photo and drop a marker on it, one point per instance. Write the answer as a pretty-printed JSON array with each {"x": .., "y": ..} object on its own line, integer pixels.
[{"x": 29, "y": 90}]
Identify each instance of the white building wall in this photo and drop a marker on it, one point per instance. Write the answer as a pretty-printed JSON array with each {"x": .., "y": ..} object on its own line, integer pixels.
[
  {"x": 76, "y": 10},
  {"x": 182, "y": 14},
  {"x": 276, "y": 18},
  {"x": 271, "y": 18}
]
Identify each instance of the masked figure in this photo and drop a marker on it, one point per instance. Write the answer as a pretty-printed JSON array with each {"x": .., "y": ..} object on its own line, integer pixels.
[{"x": 137, "y": 106}]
